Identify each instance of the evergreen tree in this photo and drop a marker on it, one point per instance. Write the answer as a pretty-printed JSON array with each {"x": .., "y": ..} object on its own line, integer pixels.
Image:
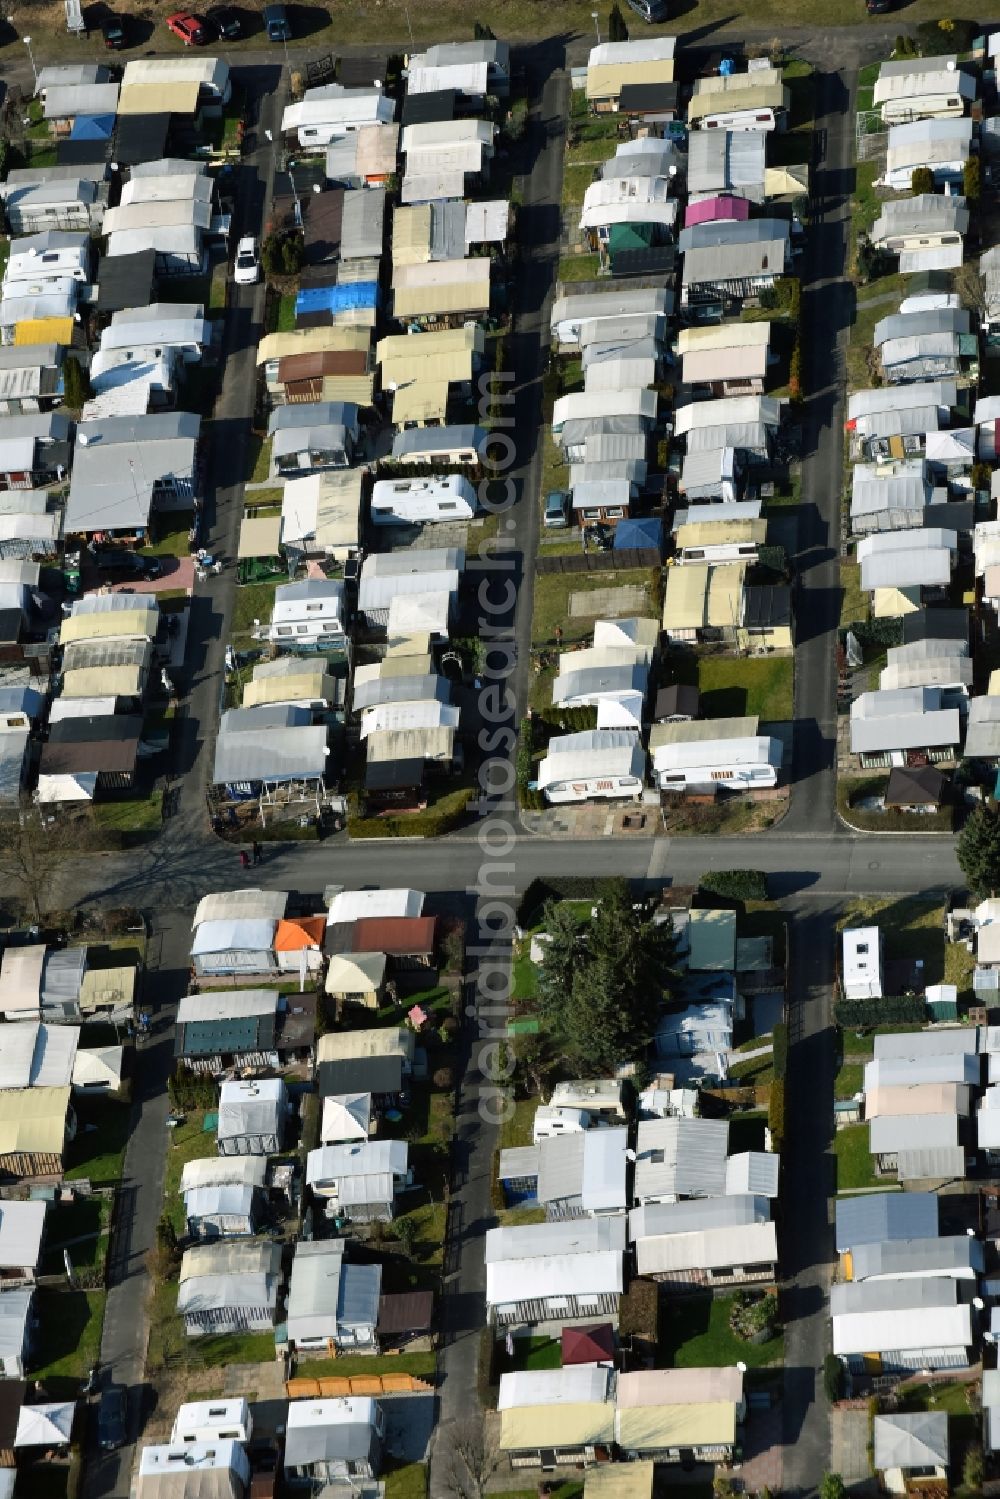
[
  {"x": 831, "y": 1486},
  {"x": 978, "y": 851},
  {"x": 76, "y": 386},
  {"x": 922, "y": 181},
  {"x": 562, "y": 953}
]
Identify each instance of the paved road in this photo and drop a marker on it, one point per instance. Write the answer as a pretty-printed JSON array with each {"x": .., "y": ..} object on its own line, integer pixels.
[{"x": 123, "y": 1344}]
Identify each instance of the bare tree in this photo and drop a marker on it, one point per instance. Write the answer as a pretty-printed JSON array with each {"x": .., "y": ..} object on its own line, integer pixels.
[
  {"x": 471, "y": 1458},
  {"x": 29, "y": 854},
  {"x": 971, "y": 287}
]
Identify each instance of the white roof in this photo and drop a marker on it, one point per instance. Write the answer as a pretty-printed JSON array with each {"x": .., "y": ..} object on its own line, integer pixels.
[
  {"x": 37, "y": 1056},
  {"x": 594, "y": 1274},
  {"x": 224, "y": 905},
  {"x": 21, "y": 1226},
  {"x": 214, "y": 1171},
  {"x": 579, "y": 1384},
  {"x": 244, "y": 935},
  {"x": 355, "y": 905},
  {"x": 644, "y": 49},
  {"x": 21, "y": 979},
  {"x": 944, "y": 1327}
]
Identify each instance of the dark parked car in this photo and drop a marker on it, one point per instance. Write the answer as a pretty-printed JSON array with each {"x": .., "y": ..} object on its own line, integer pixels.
[
  {"x": 112, "y": 1418},
  {"x": 878, "y": 7},
  {"x": 277, "y": 24},
  {"x": 126, "y": 564},
  {"x": 226, "y": 22},
  {"x": 114, "y": 32}
]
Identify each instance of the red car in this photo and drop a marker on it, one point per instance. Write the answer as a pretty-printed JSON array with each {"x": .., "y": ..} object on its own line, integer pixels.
[{"x": 190, "y": 28}]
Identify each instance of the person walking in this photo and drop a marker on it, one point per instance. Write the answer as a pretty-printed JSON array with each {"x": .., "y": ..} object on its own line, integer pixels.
[
  {"x": 258, "y": 853},
  {"x": 244, "y": 858}
]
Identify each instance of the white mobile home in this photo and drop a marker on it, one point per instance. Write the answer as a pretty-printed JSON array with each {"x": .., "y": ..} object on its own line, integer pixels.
[
  {"x": 403, "y": 502},
  {"x": 597, "y": 763},
  {"x": 735, "y": 764},
  {"x": 861, "y": 976}
]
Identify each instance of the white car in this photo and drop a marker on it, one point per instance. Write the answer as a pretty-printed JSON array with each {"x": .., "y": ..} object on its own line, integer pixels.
[{"x": 247, "y": 271}]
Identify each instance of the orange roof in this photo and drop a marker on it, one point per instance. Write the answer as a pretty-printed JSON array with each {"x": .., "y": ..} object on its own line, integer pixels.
[{"x": 306, "y": 931}]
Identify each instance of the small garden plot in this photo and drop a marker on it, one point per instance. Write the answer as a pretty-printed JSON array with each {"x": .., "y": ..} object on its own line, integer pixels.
[
  {"x": 697, "y": 1331},
  {"x": 855, "y": 1163}
]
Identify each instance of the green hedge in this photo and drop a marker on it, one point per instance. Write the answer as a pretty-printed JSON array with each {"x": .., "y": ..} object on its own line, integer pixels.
[
  {"x": 865, "y": 1014},
  {"x": 736, "y": 884},
  {"x": 450, "y": 812},
  {"x": 556, "y": 887},
  {"x": 779, "y": 1060},
  {"x": 524, "y": 768},
  {"x": 776, "y": 1113}
]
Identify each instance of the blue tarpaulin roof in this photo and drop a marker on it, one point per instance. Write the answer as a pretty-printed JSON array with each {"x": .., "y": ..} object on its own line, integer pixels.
[
  {"x": 646, "y": 531},
  {"x": 92, "y": 128},
  {"x": 337, "y": 298}
]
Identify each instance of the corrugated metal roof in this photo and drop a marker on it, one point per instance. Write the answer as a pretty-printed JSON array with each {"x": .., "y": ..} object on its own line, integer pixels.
[
  {"x": 883, "y": 1217},
  {"x": 680, "y": 1158}
]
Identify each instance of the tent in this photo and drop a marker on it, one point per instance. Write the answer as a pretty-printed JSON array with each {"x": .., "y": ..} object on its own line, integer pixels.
[
  {"x": 45, "y": 1425},
  {"x": 641, "y": 533},
  {"x": 332, "y": 299},
  {"x": 92, "y": 128}
]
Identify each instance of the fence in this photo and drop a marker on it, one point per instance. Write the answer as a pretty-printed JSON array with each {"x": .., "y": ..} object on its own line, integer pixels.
[{"x": 597, "y": 562}]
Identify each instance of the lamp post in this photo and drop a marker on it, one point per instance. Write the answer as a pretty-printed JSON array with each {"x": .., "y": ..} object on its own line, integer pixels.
[
  {"x": 31, "y": 58},
  {"x": 597, "y": 25}
]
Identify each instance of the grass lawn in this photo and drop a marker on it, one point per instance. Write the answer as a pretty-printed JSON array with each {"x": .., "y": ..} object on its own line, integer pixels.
[
  {"x": 576, "y": 180},
  {"x": 420, "y": 1365},
  {"x": 865, "y": 201},
  {"x": 87, "y": 1220},
  {"x": 98, "y": 1152},
  {"x": 552, "y": 596},
  {"x": 754, "y": 1073},
  {"x": 167, "y": 1338},
  {"x": 253, "y": 601},
  {"x": 695, "y": 1333},
  {"x": 131, "y": 814},
  {"x": 187, "y": 1142},
  {"x": 531, "y": 1353},
  {"x": 853, "y": 600},
  {"x": 952, "y": 1398},
  {"x": 866, "y": 87},
  {"x": 855, "y": 1164},
  {"x": 862, "y": 361},
  {"x": 517, "y": 1129},
  {"x": 913, "y": 927},
  {"x": 286, "y": 313},
  {"x": 67, "y": 1342},
  {"x": 258, "y": 461},
  {"x": 524, "y": 976},
  {"x": 409, "y": 1482},
  {"x": 860, "y": 1045},
  {"x": 172, "y": 540},
  {"x": 578, "y": 268},
  {"x": 735, "y": 686},
  {"x": 849, "y": 1080}
]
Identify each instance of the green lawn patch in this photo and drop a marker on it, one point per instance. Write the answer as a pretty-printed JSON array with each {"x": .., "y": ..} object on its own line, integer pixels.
[
  {"x": 738, "y": 686},
  {"x": 867, "y": 79},
  {"x": 576, "y": 180},
  {"x": 409, "y": 1482},
  {"x": 552, "y": 596},
  {"x": 695, "y": 1333},
  {"x": 952, "y": 1398},
  {"x": 865, "y": 202},
  {"x": 530, "y": 1353},
  {"x": 286, "y": 312},
  {"x": 98, "y": 1151},
  {"x": 524, "y": 976},
  {"x": 850, "y": 1079},
  {"x": 862, "y": 360},
  {"x": 755, "y": 1072},
  {"x": 80, "y": 1227},
  {"x": 855, "y": 1163},
  {"x": 854, "y": 789},
  {"x": 517, "y": 1129},
  {"x": 131, "y": 815},
  {"x": 423, "y": 1268},
  {"x": 67, "y": 1342},
  {"x": 420, "y": 1365},
  {"x": 578, "y": 268},
  {"x": 853, "y": 599},
  {"x": 173, "y": 539},
  {"x": 253, "y": 601},
  {"x": 447, "y": 808}
]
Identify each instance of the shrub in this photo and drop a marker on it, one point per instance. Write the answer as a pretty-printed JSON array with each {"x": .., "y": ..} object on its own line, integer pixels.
[
  {"x": 971, "y": 178},
  {"x": 443, "y": 1079},
  {"x": 736, "y": 884},
  {"x": 617, "y": 29},
  {"x": 864, "y": 1014},
  {"x": 639, "y": 1311},
  {"x": 980, "y": 475},
  {"x": 795, "y": 371},
  {"x": 292, "y": 255},
  {"x": 922, "y": 181},
  {"x": 973, "y": 1468},
  {"x": 752, "y": 1316},
  {"x": 776, "y": 1113},
  {"x": 76, "y": 384},
  {"x": 833, "y": 1378},
  {"x": 779, "y": 1058},
  {"x": 831, "y": 1486}
]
